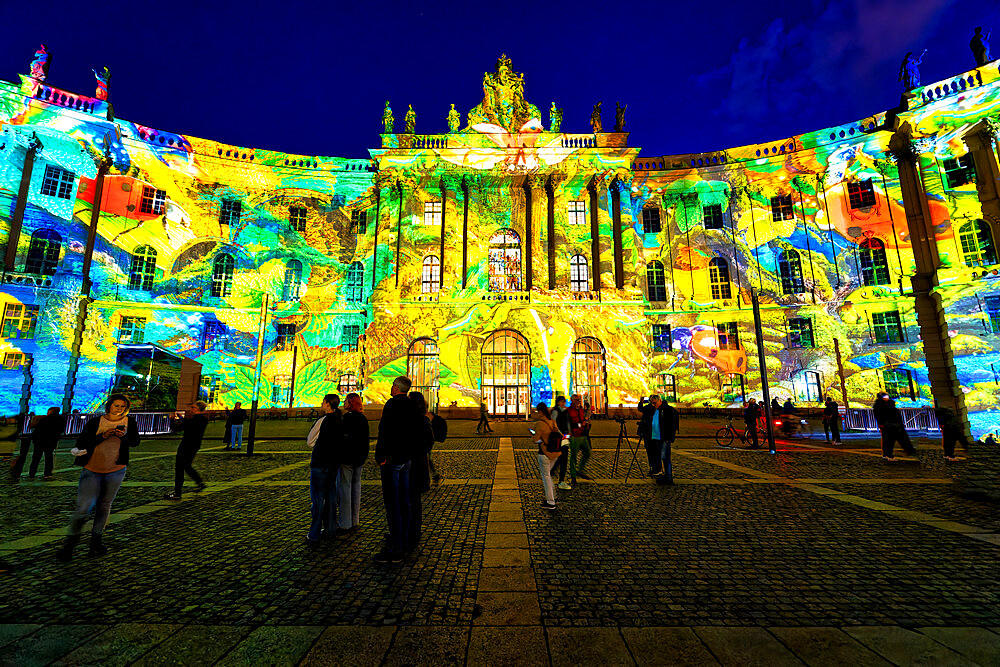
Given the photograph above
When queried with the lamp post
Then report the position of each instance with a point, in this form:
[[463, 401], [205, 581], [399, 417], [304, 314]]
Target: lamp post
[[258, 368], [765, 390]]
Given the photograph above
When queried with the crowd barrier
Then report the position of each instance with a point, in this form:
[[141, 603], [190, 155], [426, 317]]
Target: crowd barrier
[[149, 423]]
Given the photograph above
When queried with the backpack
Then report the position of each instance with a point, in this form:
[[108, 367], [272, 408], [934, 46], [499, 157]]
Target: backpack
[[440, 427], [555, 442]]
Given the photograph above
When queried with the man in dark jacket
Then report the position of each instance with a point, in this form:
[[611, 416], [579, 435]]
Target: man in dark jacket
[[890, 424], [325, 439], [831, 421], [45, 436], [662, 424], [234, 426], [393, 451], [646, 409], [751, 415], [193, 427]]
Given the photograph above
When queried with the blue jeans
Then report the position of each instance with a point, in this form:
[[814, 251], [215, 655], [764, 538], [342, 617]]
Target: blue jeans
[[96, 489], [323, 496], [668, 467], [350, 495], [236, 435], [396, 495]]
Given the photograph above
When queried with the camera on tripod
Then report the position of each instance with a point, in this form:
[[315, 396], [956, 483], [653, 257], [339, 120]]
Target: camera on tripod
[[620, 420]]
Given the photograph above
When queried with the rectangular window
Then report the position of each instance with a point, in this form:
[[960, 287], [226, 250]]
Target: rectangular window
[[349, 337], [800, 333], [132, 330], [57, 182], [432, 213], [887, 327], [19, 321], [993, 313], [13, 360], [215, 337], [661, 341], [286, 336], [713, 216], [898, 383], [651, 220], [959, 171], [152, 200], [359, 221], [211, 386], [281, 390], [781, 208], [666, 385], [861, 194], [230, 212], [297, 218], [577, 211], [732, 388], [729, 337]]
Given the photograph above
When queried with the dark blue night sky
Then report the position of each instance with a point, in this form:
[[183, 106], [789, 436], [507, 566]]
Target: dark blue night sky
[[311, 78]]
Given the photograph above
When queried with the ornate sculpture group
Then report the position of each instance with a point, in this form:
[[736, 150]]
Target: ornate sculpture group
[[595, 118], [40, 65], [909, 69]]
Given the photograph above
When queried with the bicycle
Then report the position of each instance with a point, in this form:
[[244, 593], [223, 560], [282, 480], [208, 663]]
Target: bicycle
[[725, 435]]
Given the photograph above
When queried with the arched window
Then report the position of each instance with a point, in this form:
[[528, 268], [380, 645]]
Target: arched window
[[505, 261], [292, 286], [143, 268], [873, 262], [43, 252], [355, 282], [790, 270], [423, 367], [589, 373], [579, 276], [506, 373], [656, 281], [347, 383], [976, 240], [222, 275], [430, 277], [718, 276]]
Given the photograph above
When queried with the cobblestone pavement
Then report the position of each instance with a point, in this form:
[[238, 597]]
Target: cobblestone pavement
[[813, 555]]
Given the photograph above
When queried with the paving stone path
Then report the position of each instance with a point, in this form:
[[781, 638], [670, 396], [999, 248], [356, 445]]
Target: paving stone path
[[815, 555]]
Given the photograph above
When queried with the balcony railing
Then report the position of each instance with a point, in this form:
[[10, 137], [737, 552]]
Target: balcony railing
[[26, 279], [578, 141], [69, 100]]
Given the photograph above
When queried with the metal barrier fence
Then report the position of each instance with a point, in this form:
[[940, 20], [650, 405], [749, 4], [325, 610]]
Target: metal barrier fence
[[149, 423], [914, 419]]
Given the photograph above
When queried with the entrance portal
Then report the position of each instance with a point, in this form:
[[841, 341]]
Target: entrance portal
[[506, 374]]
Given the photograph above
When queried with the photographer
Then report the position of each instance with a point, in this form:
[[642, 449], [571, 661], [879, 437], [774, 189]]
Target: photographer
[[652, 449], [193, 427], [661, 422]]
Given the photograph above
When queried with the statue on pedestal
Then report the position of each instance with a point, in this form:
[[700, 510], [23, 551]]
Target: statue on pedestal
[[454, 119], [620, 117], [103, 79], [503, 102], [387, 120], [980, 46], [411, 121], [555, 118], [40, 65], [909, 71], [595, 119]]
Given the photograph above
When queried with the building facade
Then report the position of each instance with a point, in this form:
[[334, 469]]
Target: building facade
[[506, 261]]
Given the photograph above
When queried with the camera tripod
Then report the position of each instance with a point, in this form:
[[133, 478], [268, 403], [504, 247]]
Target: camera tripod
[[623, 437]]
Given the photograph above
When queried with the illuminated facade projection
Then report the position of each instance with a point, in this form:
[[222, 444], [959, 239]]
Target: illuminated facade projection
[[505, 262]]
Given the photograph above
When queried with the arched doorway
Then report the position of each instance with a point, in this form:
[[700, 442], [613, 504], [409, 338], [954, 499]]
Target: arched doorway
[[423, 367], [506, 374], [589, 376]]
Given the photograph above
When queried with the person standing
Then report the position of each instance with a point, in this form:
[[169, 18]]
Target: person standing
[[103, 450], [951, 433], [234, 426], [484, 420], [324, 440], [560, 416], [647, 409], [193, 427], [890, 425], [831, 421], [420, 480], [392, 453], [549, 441], [24, 430], [45, 437], [352, 457], [579, 424], [662, 425], [751, 415]]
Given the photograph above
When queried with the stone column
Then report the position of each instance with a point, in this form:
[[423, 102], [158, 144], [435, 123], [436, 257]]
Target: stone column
[[980, 140], [616, 230], [551, 186], [14, 233], [595, 237]]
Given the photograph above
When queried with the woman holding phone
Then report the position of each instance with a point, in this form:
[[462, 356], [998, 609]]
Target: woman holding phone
[[102, 449], [546, 434]]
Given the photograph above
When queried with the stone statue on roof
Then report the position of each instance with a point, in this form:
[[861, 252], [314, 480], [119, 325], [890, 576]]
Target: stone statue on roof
[[909, 71], [555, 118], [595, 119], [503, 99], [387, 120], [454, 119], [620, 117], [980, 46], [103, 79], [410, 120], [40, 64]]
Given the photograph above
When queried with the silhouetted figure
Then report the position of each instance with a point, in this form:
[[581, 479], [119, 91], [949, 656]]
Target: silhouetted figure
[[980, 46], [909, 71], [45, 437]]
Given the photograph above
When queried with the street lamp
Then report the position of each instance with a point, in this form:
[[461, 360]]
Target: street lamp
[[765, 390]]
